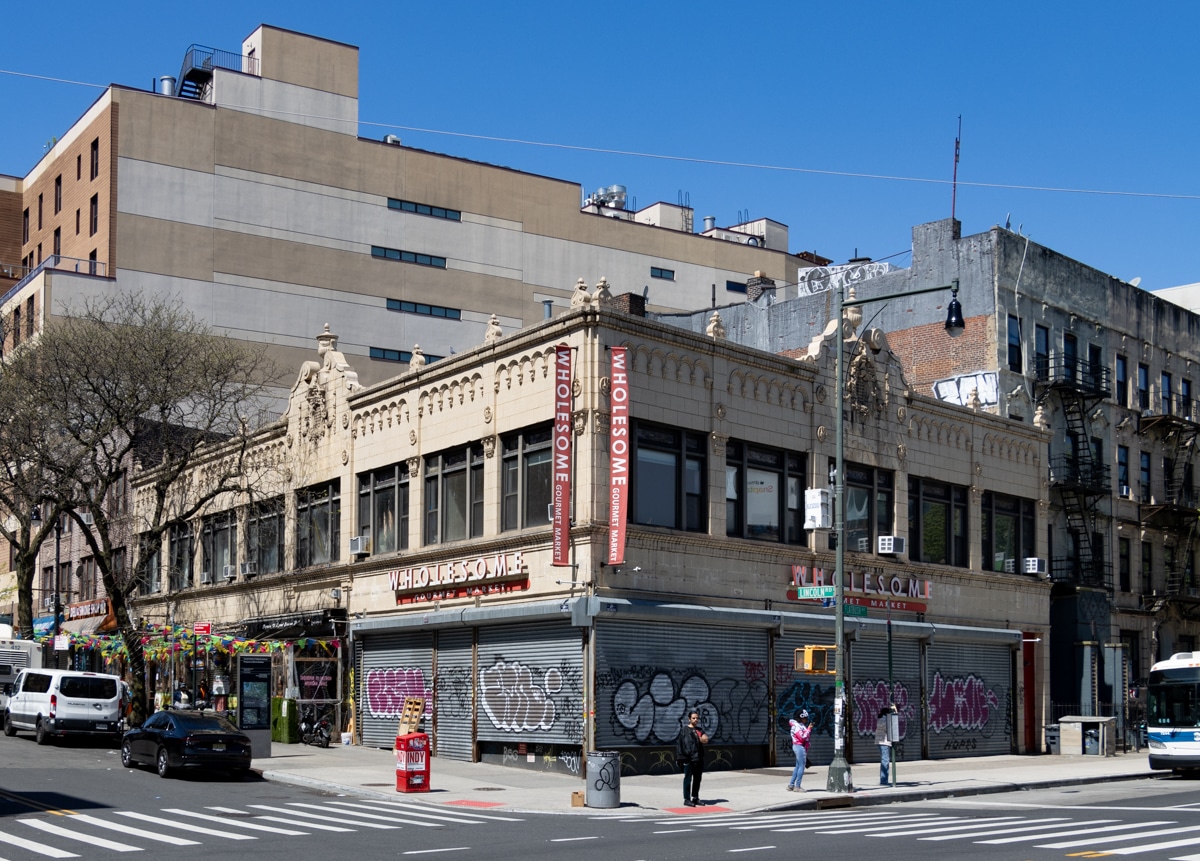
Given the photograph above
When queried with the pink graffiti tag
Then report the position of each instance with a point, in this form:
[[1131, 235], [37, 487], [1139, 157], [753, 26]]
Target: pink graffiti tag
[[964, 703], [388, 688], [754, 671], [870, 697]]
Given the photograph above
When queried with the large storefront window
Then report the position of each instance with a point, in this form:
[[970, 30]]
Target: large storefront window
[[218, 547], [526, 494], [454, 494], [264, 537], [1008, 535], [318, 524], [937, 522], [870, 506], [383, 508], [180, 553], [670, 476], [764, 494]]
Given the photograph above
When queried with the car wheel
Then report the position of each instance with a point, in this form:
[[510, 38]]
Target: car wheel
[[164, 764], [127, 755], [9, 729], [40, 735]]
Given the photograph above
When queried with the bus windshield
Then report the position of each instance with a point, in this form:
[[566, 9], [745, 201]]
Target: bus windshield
[[1173, 705]]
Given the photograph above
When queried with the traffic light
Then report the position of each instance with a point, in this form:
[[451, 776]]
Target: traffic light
[[816, 660]]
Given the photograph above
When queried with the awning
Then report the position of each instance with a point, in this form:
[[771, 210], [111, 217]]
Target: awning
[[86, 625]]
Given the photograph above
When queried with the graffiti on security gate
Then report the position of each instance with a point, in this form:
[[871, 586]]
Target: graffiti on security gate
[[872, 696], [802, 696], [960, 703], [654, 712], [520, 698], [388, 688]]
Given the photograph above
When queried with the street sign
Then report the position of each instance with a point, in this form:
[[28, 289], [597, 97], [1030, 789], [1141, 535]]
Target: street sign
[[853, 610], [813, 592], [202, 627]]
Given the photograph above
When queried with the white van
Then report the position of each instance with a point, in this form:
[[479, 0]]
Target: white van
[[58, 703]]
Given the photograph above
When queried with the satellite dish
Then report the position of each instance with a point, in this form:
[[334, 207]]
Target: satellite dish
[[1135, 281]]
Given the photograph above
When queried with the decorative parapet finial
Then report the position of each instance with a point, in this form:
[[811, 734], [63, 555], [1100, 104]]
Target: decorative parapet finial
[[418, 359], [603, 297], [851, 318], [973, 400], [494, 333], [715, 328], [580, 298]]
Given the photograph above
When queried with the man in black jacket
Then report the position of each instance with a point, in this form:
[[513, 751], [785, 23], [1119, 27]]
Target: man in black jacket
[[689, 751]]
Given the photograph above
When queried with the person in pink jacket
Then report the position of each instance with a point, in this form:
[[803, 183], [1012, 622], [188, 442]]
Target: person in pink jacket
[[801, 732]]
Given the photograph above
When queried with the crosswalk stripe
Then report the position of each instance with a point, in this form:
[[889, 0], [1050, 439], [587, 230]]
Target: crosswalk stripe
[[1170, 844], [280, 819], [489, 816], [59, 831], [929, 828], [319, 817], [821, 827], [32, 846], [135, 832], [1162, 832], [880, 826], [1126, 827], [408, 811], [183, 826], [221, 820], [815, 824], [998, 841], [370, 815]]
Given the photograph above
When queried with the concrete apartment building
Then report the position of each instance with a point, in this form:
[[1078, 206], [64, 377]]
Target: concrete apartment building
[[243, 188], [1109, 369], [417, 513]]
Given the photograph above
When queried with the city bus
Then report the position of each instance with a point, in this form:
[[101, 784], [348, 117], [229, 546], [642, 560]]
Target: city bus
[[1173, 712]]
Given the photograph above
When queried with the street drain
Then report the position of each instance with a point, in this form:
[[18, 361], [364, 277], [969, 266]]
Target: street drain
[[489, 789]]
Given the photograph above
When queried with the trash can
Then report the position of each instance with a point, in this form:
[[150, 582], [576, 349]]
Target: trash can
[[1052, 739], [1091, 742], [412, 762], [603, 788]]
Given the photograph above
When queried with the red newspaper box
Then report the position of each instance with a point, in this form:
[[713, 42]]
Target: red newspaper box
[[412, 762]]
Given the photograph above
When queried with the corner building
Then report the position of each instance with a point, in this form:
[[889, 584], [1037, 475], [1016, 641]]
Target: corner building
[[425, 501]]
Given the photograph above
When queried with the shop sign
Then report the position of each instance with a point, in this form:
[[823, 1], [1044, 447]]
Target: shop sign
[[618, 457], [862, 589], [465, 576], [563, 446], [87, 609]]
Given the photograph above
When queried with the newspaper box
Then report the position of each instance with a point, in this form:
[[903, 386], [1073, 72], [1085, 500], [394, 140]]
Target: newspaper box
[[412, 762]]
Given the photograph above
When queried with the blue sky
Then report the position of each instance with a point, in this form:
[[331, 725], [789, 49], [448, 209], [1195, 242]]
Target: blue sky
[[1096, 95]]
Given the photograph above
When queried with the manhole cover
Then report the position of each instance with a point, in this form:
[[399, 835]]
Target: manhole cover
[[489, 789]]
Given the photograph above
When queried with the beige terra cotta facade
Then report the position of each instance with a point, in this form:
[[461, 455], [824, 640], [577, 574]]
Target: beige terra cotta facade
[[717, 398]]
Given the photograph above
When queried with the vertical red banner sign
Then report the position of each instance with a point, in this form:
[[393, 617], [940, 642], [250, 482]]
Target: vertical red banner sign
[[618, 457], [563, 445]]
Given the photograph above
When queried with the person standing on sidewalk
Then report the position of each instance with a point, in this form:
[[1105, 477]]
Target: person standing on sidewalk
[[885, 745], [801, 734], [689, 751]]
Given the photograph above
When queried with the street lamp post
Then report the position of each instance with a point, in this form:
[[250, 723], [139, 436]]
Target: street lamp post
[[838, 778], [57, 574]]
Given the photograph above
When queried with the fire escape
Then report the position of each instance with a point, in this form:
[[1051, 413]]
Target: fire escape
[[196, 73], [1079, 477], [1174, 511]]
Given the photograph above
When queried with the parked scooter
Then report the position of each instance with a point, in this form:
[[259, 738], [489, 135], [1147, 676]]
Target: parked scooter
[[313, 731]]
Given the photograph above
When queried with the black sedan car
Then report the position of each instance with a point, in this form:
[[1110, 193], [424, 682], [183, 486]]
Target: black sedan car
[[184, 738]]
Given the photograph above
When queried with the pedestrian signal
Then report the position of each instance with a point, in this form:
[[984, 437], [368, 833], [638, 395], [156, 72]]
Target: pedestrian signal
[[816, 660]]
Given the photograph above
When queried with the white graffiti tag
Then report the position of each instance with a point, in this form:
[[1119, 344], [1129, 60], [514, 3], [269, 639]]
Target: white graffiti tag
[[514, 701]]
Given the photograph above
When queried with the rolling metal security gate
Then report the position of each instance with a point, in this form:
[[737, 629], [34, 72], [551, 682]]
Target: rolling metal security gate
[[650, 674], [454, 695], [793, 692], [529, 684], [392, 668], [868, 682], [970, 699]]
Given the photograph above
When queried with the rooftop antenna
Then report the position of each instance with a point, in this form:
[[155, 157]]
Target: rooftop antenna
[[954, 183]]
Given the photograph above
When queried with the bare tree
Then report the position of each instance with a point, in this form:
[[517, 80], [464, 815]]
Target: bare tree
[[136, 383]]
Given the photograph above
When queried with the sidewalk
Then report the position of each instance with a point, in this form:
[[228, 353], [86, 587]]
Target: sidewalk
[[368, 771]]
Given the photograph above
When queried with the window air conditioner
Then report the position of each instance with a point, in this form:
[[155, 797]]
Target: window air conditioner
[[360, 545], [891, 544], [48, 602], [86, 517], [249, 569], [864, 545], [1126, 492], [1034, 565], [1010, 566], [229, 572], [206, 576]]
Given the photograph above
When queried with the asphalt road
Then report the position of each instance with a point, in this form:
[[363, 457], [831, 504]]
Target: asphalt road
[[76, 800]]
